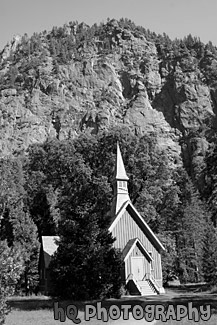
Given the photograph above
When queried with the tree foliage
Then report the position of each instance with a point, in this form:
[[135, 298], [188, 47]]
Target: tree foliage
[[65, 189], [209, 258], [86, 265], [11, 266], [89, 161], [16, 225], [188, 222], [81, 172]]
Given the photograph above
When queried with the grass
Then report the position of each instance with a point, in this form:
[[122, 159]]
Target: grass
[[213, 289], [45, 317], [39, 310], [42, 317], [201, 296], [185, 321]]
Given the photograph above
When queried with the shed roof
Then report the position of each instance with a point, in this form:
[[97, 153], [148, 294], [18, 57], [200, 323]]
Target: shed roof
[[49, 247], [49, 244]]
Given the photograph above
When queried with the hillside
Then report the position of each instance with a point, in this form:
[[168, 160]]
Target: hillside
[[76, 77]]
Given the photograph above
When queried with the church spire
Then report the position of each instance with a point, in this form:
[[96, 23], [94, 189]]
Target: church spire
[[121, 194], [120, 172]]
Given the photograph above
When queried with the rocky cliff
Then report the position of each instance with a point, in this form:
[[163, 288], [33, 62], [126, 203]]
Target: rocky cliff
[[60, 83]]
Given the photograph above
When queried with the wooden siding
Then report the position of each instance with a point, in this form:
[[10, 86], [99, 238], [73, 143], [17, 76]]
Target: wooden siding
[[127, 229]]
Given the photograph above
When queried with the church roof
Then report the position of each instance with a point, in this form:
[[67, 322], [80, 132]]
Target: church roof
[[130, 246], [128, 206], [120, 172]]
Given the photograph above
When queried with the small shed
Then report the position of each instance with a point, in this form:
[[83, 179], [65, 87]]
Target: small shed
[[48, 248]]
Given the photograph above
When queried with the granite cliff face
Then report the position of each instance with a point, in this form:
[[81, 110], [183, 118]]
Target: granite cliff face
[[77, 77]]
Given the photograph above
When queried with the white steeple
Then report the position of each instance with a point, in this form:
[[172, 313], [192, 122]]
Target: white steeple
[[120, 172], [121, 194]]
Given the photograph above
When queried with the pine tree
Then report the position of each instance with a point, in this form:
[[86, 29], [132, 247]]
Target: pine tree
[[209, 259], [191, 239], [185, 219], [86, 265], [16, 225], [25, 235]]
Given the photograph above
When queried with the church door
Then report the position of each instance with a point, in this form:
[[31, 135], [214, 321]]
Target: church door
[[137, 267]]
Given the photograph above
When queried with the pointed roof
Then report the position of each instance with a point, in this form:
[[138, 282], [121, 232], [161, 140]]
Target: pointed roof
[[128, 206], [120, 172], [130, 246], [49, 244]]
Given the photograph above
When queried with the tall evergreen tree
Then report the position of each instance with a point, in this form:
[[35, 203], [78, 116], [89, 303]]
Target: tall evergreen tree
[[16, 225], [86, 265], [185, 218], [209, 258]]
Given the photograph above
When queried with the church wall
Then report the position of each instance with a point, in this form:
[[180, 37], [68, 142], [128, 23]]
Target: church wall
[[127, 229]]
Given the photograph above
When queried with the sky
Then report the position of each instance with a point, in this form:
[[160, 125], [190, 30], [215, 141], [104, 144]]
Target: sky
[[177, 18]]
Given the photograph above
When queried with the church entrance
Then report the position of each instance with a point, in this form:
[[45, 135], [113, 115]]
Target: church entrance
[[137, 267]]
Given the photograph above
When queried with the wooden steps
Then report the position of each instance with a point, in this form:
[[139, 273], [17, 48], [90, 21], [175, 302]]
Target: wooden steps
[[147, 288]]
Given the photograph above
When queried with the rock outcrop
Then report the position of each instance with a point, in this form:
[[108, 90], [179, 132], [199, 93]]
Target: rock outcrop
[[115, 75]]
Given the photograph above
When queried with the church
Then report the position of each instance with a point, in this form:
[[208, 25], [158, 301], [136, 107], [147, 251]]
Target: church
[[141, 249]]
